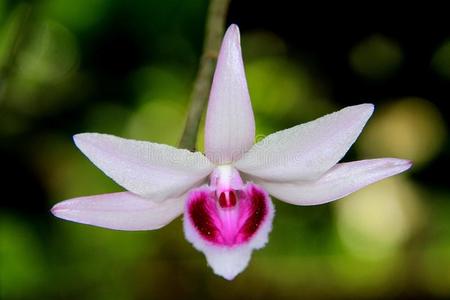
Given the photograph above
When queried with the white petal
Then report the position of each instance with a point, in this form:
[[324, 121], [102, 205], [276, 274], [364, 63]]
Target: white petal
[[150, 170], [230, 125], [308, 150], [341, 180], [120, 211]]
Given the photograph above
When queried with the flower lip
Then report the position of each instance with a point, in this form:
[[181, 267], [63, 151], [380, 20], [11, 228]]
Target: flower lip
[[229, 259], [228, 222]]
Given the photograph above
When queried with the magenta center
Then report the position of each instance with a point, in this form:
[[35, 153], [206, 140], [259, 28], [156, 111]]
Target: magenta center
[[231, 218]]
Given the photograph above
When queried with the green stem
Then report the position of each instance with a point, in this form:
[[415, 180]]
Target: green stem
[[215, 25]]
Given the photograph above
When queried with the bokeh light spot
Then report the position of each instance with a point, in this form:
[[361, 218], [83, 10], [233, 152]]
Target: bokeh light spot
[[281, 89], [410, 128], [159, 121], [435, 252], [107, 117], [65, 171], [78, 15], [376, 221], [252, 41], [9, 27], [162, 94], [441, 60], [377, 57], [44, 71], [51, 55], [436, 272]]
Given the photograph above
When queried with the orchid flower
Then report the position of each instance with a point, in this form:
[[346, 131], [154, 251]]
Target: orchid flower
[[224, 194]]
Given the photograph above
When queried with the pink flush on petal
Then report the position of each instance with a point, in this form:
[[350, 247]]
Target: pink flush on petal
[[232, 218]]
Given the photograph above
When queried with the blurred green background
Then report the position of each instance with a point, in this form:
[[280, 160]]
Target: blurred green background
[[127, 68]]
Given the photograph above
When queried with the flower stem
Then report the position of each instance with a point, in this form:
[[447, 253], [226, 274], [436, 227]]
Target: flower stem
[[215, 24]]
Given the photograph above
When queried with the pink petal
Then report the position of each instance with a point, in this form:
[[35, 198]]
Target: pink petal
[[120, 211], [338, 182], [230, 125], [228, 235], [308, 150], [150, 170]]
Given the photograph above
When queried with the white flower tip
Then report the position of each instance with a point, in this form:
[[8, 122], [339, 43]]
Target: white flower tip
[[232, 33], [59, 210], [231, 44], [82, 138], [405, 163], [78, 136], [369, 106], [366, 109], [54, 210], [228, 263], [409, 163]]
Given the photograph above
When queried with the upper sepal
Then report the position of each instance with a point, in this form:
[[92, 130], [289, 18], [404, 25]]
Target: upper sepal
[[230, 124]]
